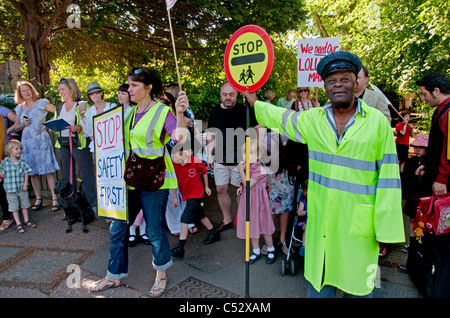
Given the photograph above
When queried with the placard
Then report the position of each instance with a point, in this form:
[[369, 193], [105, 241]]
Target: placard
[[310, 52], [110, 164]]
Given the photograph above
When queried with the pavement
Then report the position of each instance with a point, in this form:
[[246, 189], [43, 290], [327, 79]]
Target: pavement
[[45, 262]]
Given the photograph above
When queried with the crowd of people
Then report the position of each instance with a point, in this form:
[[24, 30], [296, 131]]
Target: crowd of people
[[299, 153]]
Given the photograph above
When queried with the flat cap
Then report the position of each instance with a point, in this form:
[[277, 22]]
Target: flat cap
[[339, 61]]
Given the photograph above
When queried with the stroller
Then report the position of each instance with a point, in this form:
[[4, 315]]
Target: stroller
[[295, 243]]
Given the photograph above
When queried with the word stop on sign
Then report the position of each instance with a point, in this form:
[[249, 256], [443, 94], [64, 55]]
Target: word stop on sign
[[108, 132]]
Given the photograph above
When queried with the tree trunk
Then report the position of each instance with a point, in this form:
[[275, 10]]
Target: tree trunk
[[36, 52]]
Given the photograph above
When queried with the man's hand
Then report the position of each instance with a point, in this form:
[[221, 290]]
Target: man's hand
[[251, 98]]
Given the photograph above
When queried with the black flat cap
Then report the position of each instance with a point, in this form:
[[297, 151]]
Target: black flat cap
[[339, 61]]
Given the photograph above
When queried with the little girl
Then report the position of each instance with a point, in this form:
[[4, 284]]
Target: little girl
[[15, 173], [261, 222], [301, 212]]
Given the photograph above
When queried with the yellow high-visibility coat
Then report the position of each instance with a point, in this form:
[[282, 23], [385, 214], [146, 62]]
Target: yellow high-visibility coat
[[354, 192]]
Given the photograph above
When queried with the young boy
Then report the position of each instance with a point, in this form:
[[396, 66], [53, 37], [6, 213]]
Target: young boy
[[404, 131], [414, 184], [188, 169], [15, 173]]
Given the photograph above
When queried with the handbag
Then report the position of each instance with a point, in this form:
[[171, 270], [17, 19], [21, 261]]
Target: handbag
[[434, 213], [144, 174], [64, 141]]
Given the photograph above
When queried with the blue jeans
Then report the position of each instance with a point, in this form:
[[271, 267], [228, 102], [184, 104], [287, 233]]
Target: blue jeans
[[153, 204], [329, 292], [154, 207], [118, 250]]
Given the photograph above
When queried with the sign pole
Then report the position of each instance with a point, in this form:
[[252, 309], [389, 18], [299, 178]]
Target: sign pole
[[174, 51], [248, 63], [247, 199]]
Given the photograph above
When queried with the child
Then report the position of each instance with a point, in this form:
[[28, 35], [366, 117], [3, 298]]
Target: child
[[15, 173], [261, 222], [281, 186], [301, 212], [414, 184], [188, 170], [404, 131], [139, 225]]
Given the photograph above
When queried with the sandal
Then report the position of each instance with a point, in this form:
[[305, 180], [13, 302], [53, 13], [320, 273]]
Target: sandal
[[19, 228], [156, 290], [284, 248], [105, 283], [30, 224], [37, 206], [5, 224], [56, 206]]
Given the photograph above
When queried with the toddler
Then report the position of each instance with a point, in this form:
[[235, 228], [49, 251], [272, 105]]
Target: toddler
[[414, 184], [15, 171], [261, 222], [301, 212], [188, 170]]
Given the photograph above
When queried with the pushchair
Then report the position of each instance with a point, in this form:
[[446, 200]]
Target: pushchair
[[295, 242]]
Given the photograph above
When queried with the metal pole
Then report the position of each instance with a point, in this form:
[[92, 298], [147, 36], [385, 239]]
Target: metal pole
[[247, 197]]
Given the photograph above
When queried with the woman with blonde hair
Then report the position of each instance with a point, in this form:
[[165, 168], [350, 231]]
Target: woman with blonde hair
[[72, 109], [38, 151], [304, 100]]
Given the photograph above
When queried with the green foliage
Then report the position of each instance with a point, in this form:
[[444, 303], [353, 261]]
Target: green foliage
[[117, 35], [398, 41]]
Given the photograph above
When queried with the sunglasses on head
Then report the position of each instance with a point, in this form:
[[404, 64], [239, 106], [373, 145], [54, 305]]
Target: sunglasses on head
[[138, 71], [62, 80]]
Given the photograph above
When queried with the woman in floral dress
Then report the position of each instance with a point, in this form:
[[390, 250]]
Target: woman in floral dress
[[38, 151]]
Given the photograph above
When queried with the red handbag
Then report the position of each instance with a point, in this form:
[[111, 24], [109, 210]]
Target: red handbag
[[434, 212]]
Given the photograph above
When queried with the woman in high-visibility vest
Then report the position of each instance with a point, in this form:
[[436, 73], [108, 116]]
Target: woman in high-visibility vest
[[147, 128]]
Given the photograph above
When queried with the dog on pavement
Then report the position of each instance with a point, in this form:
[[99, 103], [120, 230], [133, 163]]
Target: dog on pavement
[[76, 207]]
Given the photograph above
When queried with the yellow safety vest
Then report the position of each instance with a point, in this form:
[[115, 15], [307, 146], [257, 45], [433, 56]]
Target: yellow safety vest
[[354, 192], [145, 139]]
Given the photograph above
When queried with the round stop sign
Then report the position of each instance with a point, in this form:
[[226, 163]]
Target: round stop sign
[[248, 59]]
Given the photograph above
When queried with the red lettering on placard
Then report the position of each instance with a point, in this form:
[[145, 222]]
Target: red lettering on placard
[[314, 77], [108, 132], [309, 64]]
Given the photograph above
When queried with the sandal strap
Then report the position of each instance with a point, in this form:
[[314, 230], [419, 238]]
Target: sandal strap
[[156, 285]]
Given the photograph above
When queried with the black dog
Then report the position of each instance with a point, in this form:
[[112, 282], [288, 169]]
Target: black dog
[[76, 207]]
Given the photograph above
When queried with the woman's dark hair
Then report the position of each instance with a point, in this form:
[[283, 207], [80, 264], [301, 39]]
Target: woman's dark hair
[[146, 76], [124, 88], [433, 80]]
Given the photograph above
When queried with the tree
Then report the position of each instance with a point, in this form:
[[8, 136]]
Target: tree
[[399, 41], [127, 32]]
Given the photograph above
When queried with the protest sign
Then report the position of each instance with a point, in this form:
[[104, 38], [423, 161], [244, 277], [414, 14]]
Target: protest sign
[[110, 164], [310, 52]]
